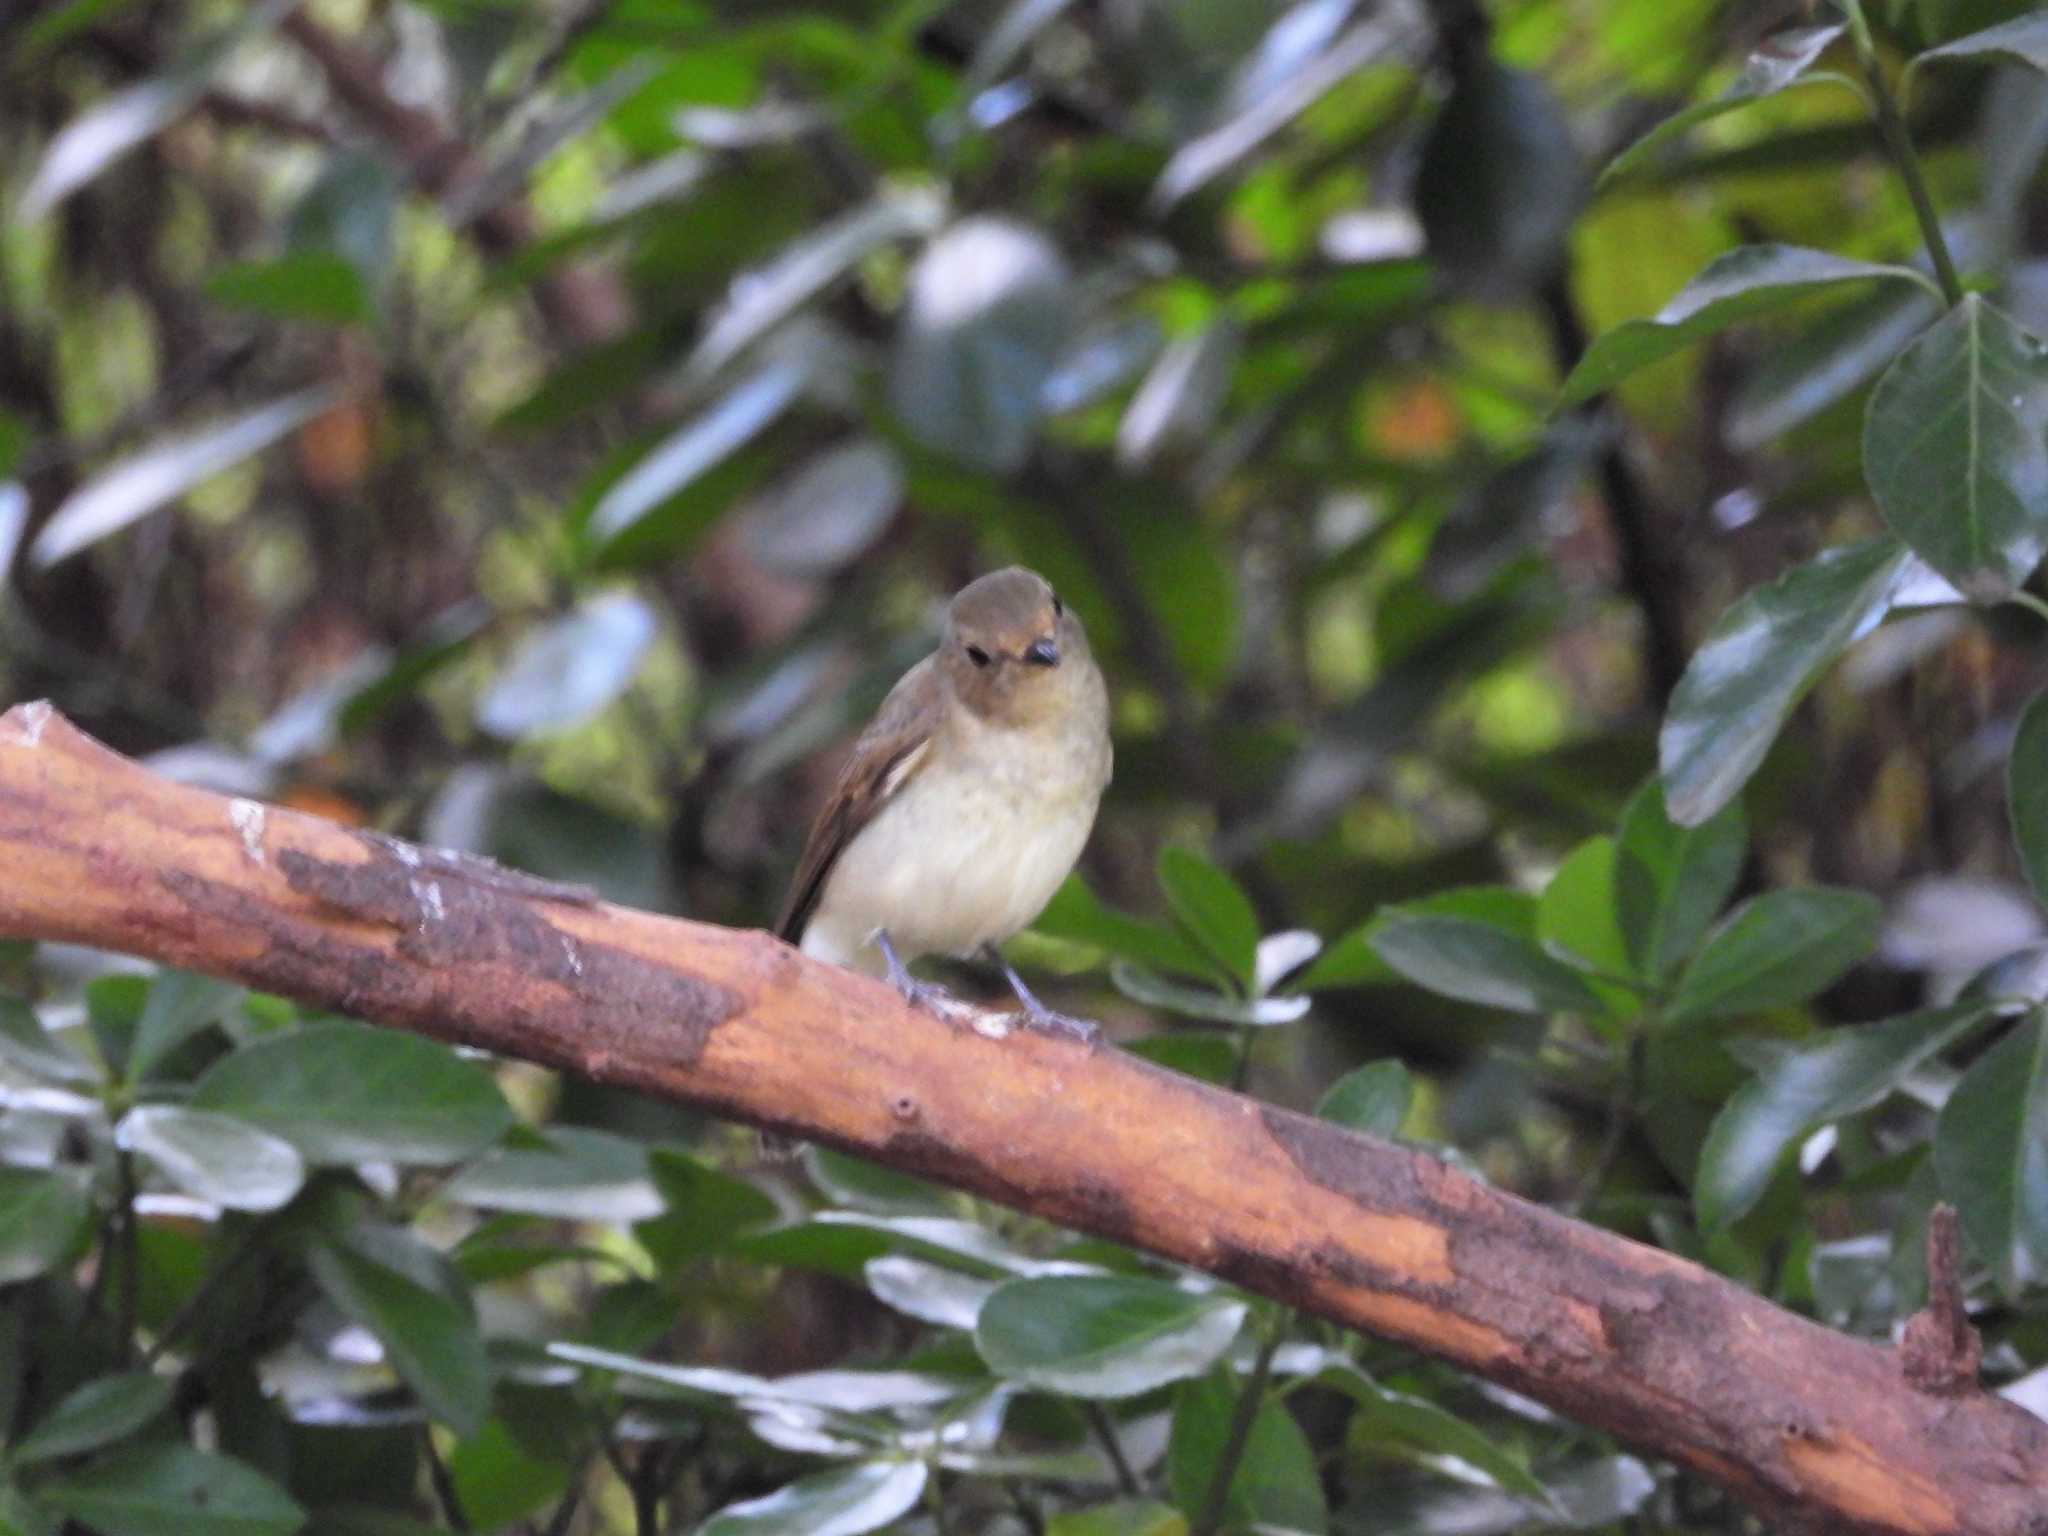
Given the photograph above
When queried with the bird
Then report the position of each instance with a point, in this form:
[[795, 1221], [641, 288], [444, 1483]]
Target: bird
[[966, 801]]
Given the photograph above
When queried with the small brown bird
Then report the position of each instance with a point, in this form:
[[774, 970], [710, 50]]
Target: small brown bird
[[967, 800]]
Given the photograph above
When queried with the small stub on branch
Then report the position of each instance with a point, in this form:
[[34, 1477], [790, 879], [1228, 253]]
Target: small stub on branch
[[1940, 1352]]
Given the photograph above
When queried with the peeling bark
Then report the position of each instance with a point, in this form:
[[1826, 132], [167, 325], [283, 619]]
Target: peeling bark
[[1808, 1425]]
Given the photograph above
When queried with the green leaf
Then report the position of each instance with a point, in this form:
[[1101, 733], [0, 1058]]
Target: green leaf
[[844, 1502], [180, 1005], [1214, 909], [1777, 949], [1154, 991], [1764, 655], [1991, 1154], [1102, 1336], [574, 1174], [1420, 1423], [1671, 880], [416, 1305], [302, 285], [928, 1292], [1373, 1099], [1748, 281], [1955, 445], [1845, 1072], [1352, 962], [1076, 914], [2027, 792], [26, 1045], [498, 1479], [214, 1157], [173, 1490], [96, 1414], [345, 1093], [1778, 62], [1275, 1484], [1577, 917], [2024, 40], [43, 1216], [1124, 1517], [706, 1209], [1479, 962]]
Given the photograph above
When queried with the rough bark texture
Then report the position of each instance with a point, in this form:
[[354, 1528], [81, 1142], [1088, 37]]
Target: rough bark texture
[[1813, 1427]]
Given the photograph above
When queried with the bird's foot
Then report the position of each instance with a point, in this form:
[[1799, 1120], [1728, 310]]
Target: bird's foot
[[1046, 1020], [930, 996]]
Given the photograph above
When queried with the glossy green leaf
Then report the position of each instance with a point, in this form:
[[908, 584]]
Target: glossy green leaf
[[2027, 792], [1213, 908], [844, 1502], [1351, 960], [1076, 914], [1671, 880], [99, 1413], [575, 1174], [1749, 281], [214, 1157], [43, 1217], [301, 285], [1418, 1422], [1478, 962], [346, 1093], [1102, 1336], [1844, 1072], [180, 1005], [1779, 61], [414, 1302], [1373, 1098], [1955, 445], [1777, 949], [1763, 656], [929, 1292], [1991, 1155], [2023, 40], [174, 1490], [1276, 1483]]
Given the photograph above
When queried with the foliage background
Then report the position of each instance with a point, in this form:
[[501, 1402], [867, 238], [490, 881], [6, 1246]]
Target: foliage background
[[546, 427]]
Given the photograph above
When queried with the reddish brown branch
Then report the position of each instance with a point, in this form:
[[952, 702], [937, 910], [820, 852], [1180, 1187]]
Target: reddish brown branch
[[1804, 1423]]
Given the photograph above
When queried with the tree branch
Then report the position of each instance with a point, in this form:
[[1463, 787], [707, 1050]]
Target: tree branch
[[1798, 1420]]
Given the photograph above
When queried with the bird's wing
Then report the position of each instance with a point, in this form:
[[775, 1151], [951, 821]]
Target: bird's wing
[[891, 750]]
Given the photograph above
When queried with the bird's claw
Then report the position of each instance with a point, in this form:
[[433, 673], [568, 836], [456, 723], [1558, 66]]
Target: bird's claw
[[1048, 1022]]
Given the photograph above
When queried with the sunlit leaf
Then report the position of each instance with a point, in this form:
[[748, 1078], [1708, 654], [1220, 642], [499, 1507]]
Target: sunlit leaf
[[576, 1174], [1955, 445], [1479, 962], [138, 485]]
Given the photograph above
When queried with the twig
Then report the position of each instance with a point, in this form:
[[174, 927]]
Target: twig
[[1898, 145], [443, 1484], [1105, 1431], [1249, 1401]]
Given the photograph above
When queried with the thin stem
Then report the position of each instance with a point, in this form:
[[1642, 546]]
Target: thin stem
[[1242, 1072], [647, 1484], [1249, 1401], [1105, 1431], [131, 1250], [1891, 131], [2028, 601], [444, 1485]]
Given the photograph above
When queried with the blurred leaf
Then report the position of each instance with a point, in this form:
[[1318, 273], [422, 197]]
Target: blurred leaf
[[1205, 1054], [141, 483], [1125, 1517], [1844, 1072], [1102, 1336], [2023, 40], [843, 1502], [1748, 281], [1955, 444], [1778, 62], [988, 314], [1671, 880], [499, 1479], [1213, 908], [173, 1490], [28, 1047], [1075, 914], [1352, 960], [43, 1217], [1774, 950], [575, 1175], [350, 210], [99, 1413], [569, 668], [1763, 656], [1477, 961], [2027, 792], [1419, 1422], [180, 1005], [706, 1209], [1808, 371], [1194, 1002], [100, 135], [302, 285], [443, 639], [381, 1279], [1373, 1098], [1180, 398], [214, 1157], [928, 1292], [1500, 181], [1991, 1154], [768, 295], [1275, 1485], [854, 1181], [828, 513], [345, 1093]]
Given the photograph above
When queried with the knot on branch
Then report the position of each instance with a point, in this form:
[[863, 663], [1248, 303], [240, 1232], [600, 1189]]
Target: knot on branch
[[1939, 1351]]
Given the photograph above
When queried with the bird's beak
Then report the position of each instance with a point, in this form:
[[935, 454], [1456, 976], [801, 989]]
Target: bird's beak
[[1043, 653]]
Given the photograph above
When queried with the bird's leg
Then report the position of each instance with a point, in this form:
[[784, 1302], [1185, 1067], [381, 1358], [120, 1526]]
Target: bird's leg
[[922, 994], [1036, 1013]]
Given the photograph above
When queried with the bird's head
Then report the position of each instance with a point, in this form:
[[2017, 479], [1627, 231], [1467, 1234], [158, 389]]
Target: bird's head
[[1012, 650]]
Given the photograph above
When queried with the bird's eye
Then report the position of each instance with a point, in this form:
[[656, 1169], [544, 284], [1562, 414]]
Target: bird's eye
[[977, 655]]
